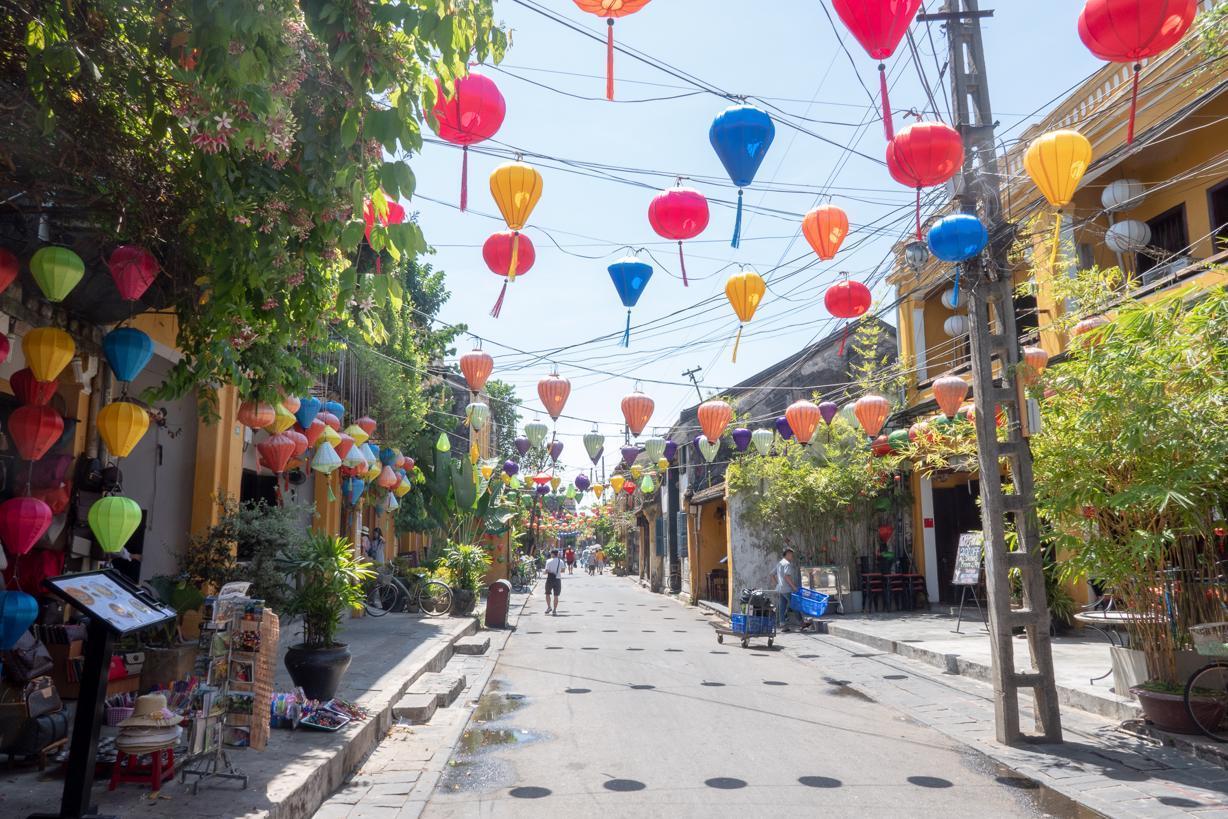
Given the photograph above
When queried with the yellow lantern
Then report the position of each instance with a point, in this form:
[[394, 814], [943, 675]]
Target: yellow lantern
[[636, 471], [554, 483], [616, 483], [373, 472], [744, 290], [473, 453], [283, 419], [516, 187], [48, 351], [330, 436], [598, 490], [663, 464], [359, 434], [487, 471], [402, 488], [122, 424], [1056, 161]]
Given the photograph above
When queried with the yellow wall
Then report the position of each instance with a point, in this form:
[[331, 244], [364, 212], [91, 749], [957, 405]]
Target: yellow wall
[[219, 461]]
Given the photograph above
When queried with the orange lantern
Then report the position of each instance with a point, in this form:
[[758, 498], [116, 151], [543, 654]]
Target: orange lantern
[[256, 414], [553, 391], [609, 9], [803, 417], [949, 392], [744, 290], [714, 416], [476, 366], [637, 411], [516, 187], [825, 228], [871, 412], [1035, 359]]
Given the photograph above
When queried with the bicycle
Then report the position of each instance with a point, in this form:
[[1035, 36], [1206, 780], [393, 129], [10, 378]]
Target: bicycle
[[1206, 690], [429, 596], [523, 574], [387, 593]]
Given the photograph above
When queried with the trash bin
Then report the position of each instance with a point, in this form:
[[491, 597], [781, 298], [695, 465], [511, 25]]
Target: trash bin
[[498, 598]]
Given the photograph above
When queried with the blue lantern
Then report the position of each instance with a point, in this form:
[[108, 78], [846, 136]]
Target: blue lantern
[[128, 350], [741, 136], [957, 237], [387, 456], [17, 613], [630, 277], [337, 409], [308, 409], [373, 455]]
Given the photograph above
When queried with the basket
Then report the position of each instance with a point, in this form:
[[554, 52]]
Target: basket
[[1210, 639], [117, 714], [809, 602], [752, 624]]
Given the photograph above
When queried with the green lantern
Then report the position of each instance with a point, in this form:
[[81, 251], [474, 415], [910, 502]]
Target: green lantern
[[113, 521], [898, 440], [57, 270], [648, 485], [442, 444]]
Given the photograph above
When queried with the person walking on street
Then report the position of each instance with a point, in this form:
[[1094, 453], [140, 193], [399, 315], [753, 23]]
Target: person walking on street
[[570, 556], [785, 585], [554, 580], [600, 560]]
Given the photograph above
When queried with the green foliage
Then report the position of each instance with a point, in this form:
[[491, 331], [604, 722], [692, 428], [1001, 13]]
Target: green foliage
[[604, 529], [615, 554], [504, 417], [871, 363], [1210, 35], [328, 577], [467, 565]]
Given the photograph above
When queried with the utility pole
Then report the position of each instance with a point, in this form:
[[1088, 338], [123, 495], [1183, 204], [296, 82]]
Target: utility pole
[[691, 373], [994, 337]]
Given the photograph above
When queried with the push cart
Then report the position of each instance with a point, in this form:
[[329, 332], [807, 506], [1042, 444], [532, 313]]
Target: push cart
[[757, 619]]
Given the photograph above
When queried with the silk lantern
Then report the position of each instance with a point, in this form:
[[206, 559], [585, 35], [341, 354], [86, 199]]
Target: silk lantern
[[516, 187], [10, 266], [48, 351], [1118, 196], [828, 410], [610, 9], [648, 485], [367, 424], [255, 414], [308, 409], [803, 418], [473, 114], [630, 277], [536, 431], [762, 440], [127, 350], [654, 448], [741, 136], [291, 403], [598, 490], [957, 237], [949, 393], [871, 412], [922, 155], [326, 461], [847, 299], [679, 214], [744, 291], [122, 424], [337, 409], [343, 446], [783, 429], [956, 325], [356, 432], [477, 414], [276, 450], [508, 254], [1035, 360], [671, 450], [629, 453], [1056, 161], [825, 228], [391, 213], [522, 445], [510, 468], [300, 442], [114, 520], [553, 391], [1128, 236], [57, 270], [35, 429], [637, 411], [330, 435], [555, 449], [23, 521], [283, 419], [133, 269], [1129, 31], [708, 448], [29, 390], [582, 482], [387, 479], [476, 366], [741, 438], [878, 25], [18, 611], [616, 483], [403, 488], [714, 417], [594, 443], [6, 346], [331, 421]]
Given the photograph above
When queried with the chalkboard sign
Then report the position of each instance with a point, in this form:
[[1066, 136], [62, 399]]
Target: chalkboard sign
[[968, 558]]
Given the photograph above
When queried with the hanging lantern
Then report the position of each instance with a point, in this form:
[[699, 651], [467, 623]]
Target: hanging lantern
[[30, 390], [630, 277], [741, 438], [1130, 31], [1035, 360], [122, 424], [916, 255], [353, 457], [616, 483], [403, 488], [671, 450], [337, 409], [300, 442], [476, 366], [128, 350], [343, 446], [654, 448], [508, 254], [881, 446], [276, 452], [292, 404], [678, 214], [510, 468], [741, 136], [516, 187], [10, 266], [1128, 236], [57, 270], [387, 479], [367, 424], [476, 415], [393, 214], [331, 436], [922, 155], [553, 391], [762, 440], [326, 461], [714, 417], [956, 326], [648, 485], [48, 351], [636, 471], [594, 443], [803, 419], [871, 412], [951, 299], [283, 419], [1056, 161], [825, 228], [133, 269], [629, 487], [555, 450], [522, 445], [555, 480], [885, 532], [473, 114], [744, 291], [308, 409], [255, 414], [5, 346], [359, 434], [599, 490], [637, 411], [847, 299], [708, 448], [957, 237], [391, 504], [898, 440], [949, 392], [1118, 196], [536, 431], [330, 420], [1087, 325], [662, 464], [783, 429], [23, 522], [629, 453], [388, 456], [582, 482], [35, 429], [878, 25], [114, 520], [828, 410], [18, 611]]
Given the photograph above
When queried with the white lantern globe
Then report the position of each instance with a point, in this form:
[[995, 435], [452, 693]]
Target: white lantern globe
[[1122, 195], [1128, 236], [952, 299], [956, 325]]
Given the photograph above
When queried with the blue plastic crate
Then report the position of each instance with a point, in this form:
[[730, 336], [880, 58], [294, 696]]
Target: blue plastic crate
[[751, 624], [809, 602]]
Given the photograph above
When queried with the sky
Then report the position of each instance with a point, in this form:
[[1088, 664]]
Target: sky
[[565, 312]]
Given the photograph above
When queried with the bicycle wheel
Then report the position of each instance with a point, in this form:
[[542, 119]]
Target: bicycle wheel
[[381, 598], [1206, 700], [434, 598]]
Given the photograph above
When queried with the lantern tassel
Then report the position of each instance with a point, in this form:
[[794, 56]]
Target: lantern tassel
[[499, 302], [955, 286], [609, 59], [737, 223], [919, 214], [626, 342], [737, 341], [511, 268], [1133, 105], [888, 128], [843, 339], [332, 498], [682, 264], [464, 203], [1057, 240]]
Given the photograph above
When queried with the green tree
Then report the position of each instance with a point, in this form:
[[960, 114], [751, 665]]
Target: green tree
[[505, 418]]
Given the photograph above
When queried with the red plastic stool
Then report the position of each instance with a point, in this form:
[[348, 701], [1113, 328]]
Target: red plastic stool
[[128, 769]]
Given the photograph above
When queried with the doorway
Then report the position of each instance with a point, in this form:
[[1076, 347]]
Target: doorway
[[955, 512]]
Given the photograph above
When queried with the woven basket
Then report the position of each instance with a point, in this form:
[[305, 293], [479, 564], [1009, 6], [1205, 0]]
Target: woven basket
[[117, 714]]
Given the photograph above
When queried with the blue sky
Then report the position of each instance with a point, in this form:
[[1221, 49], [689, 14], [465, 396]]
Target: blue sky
[[784, 51]]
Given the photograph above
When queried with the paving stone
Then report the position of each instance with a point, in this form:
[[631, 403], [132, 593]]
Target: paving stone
[[416, 707], [333, 810], [445, 685], [472, 645]]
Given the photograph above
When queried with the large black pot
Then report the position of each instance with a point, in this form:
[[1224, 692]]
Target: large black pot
[[318, 670], [463, 601]]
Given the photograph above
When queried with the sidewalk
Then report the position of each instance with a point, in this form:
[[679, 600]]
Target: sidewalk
[[299, 769]]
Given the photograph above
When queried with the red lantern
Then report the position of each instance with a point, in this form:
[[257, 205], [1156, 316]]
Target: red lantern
[[476, 366], [22, 522], [300, 442], [35, 429], [313, 432], [276, 450], [1129, 31], [610, 9], [367, 424], [949, 392], [923, 155], [847, 299], [344, 446], [10, 265], [553, 390], [881, 446], [395, 215], [409, 463], [29, 390], [878, 25], [637, 411], [133, 269], [629, 487], [885, 532], [498, 252], [331, 420], [679, 214], [803, 417], [473, 114]]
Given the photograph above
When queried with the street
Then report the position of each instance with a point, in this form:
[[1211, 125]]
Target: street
[[625, 705]]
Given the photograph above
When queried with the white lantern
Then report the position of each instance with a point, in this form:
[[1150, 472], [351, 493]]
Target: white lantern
[[654, 448], [536, 431], [477, 414], [762, 439], [1123, 195], [916, 256], [956, 325], [708, 448], [951, 299], [1128, 236]]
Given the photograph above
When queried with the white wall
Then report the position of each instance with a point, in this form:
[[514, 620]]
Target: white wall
[[754, 557]]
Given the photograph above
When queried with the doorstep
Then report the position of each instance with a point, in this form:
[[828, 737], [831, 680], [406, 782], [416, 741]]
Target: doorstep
[[714, 607]]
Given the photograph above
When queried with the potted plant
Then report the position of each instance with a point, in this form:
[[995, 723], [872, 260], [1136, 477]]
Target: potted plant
[[467, 566], [616, 556], [327, 578]]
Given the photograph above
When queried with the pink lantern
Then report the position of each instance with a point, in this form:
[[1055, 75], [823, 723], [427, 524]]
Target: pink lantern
[[22, 522], [134, 269], [679, 214], [473, 114]]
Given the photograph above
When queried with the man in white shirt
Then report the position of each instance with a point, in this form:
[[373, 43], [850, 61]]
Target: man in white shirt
[[785, 586], [554, 580]]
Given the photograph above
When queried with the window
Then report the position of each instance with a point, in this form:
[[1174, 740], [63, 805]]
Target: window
[[1169, 237], [1218, 206]]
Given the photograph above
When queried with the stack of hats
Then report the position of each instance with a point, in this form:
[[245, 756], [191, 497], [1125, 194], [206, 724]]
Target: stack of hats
[[152, 727]]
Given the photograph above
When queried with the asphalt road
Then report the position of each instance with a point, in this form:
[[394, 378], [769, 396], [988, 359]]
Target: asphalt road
[[625, 705]]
